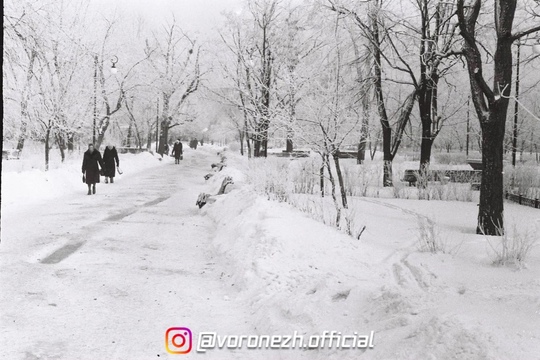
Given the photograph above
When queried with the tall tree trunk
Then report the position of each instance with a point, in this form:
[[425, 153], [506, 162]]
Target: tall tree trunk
[[381, 107], [425, 158], [248, 144], [361, 154], [104, 125], [164, 124], [292, 117], [264, 143], [425, 108], [47, 149], [289, 143], [321, 176], [490, 215], [70, 142], [428, 108], [129, 134], [363, 94], [24, 100], [387, 173], [387, 158], [333, 189], [340, 181], [241, 138], [61, 145], [257, 145], [491, 104], [149, 136], [164, 136], [373, 146]]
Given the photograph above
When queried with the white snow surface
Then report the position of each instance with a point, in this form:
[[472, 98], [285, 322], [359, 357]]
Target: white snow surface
[[24, 182], [103, 276], [298, 274]]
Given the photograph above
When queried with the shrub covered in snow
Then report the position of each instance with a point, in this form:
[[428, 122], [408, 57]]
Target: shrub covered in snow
[[512, 248]]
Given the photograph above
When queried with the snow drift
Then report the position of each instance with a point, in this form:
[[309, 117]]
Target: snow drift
[[297, 274]]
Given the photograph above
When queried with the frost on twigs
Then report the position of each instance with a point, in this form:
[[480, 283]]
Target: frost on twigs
[[429, 237], [351, 225], [512, 248]]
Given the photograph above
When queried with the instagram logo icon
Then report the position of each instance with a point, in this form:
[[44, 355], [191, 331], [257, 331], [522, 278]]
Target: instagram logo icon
[[178, 340]]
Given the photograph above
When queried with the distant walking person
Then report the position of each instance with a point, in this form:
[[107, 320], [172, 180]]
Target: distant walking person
[[91, 166], [177, 151], [110, 163]]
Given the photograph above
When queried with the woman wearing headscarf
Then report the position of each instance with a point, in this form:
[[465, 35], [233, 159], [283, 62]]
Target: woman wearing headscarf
[[91, 167], [110, 162]]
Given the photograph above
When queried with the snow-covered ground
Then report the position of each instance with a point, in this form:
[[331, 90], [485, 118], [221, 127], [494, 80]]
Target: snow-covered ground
[[24, 182], [298, 274], [103, 277]]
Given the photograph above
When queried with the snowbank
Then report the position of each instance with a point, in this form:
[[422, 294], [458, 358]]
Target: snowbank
[[24, 183], [297, 274]]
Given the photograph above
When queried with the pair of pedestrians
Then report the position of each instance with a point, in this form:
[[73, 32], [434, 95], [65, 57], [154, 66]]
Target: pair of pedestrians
[[94, 166]]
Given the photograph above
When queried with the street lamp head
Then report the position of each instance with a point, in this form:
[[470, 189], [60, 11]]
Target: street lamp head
[[114, 60]]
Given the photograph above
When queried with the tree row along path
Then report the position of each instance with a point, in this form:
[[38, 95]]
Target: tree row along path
[[104, 276]]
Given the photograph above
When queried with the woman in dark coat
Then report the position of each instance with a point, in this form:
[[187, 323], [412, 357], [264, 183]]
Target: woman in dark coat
[[177, 151], [91, 166], [110, 157]]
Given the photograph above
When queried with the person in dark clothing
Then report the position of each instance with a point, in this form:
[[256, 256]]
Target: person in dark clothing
[[177, 151], [110, 162], [91, 167]]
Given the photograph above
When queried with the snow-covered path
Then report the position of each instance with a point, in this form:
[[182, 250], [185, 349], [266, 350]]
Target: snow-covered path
[[104, 276]]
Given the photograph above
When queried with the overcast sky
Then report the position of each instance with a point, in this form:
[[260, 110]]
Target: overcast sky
[[202, 16]]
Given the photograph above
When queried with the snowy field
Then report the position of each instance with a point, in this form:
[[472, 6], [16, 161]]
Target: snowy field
[[103, 277], [299, 274]]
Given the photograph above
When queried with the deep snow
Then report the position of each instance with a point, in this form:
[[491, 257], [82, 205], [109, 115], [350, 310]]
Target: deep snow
[[103, 277], [297, 274]]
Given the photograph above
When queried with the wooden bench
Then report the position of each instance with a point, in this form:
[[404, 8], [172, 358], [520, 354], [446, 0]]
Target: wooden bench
[[291, 154], [455, 176], [11, 154], [410, 177], [347, 154], [476, 164]]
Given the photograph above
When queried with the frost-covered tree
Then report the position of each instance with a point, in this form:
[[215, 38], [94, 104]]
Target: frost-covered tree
[[174, 59], [491, 102]]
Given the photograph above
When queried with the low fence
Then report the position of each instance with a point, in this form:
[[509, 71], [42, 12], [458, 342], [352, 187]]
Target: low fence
[[455, 176], [291, 154], [522, 200]]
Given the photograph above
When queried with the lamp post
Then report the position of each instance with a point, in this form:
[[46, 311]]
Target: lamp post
[[95, 99], [468, 128], [516, 108], [114, 61], [114, 70], [157, 124]]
